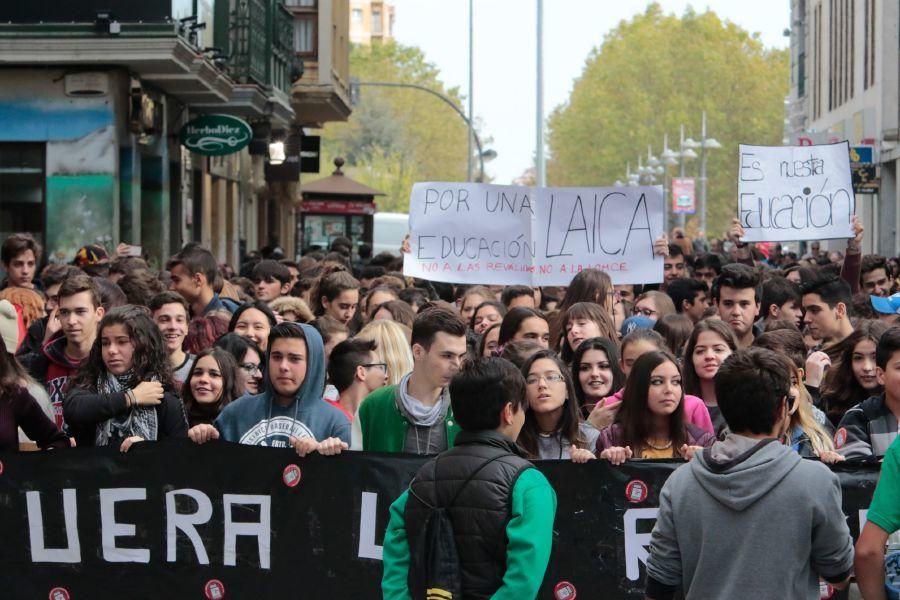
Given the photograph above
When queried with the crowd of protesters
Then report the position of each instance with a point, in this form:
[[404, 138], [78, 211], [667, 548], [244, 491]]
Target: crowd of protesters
[[330, 353]]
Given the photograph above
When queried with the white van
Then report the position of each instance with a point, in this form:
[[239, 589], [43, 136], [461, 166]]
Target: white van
[[388, 232]]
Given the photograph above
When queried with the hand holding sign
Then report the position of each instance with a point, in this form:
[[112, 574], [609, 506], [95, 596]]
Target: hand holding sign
[[795, 193]]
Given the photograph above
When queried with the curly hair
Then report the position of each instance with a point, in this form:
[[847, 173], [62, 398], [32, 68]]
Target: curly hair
[[203, 332], [31, 302], [150, 359]]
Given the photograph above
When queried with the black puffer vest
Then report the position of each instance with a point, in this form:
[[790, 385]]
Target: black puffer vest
[[480, 512]]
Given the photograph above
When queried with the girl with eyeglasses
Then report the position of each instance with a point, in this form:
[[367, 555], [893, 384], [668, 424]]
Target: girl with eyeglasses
[[653, 305], [247, 356], [650, 423], [553, 427], [212, 383]]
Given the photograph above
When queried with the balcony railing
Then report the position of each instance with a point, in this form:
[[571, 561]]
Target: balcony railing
[[260, 43]]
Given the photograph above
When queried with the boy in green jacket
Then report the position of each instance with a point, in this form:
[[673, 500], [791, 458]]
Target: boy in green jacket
[[415, 415], [502, 507]]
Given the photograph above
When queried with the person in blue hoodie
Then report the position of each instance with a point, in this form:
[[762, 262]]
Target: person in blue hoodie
[[290, 412]]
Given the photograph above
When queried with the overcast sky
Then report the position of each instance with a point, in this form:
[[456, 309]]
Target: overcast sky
[[505, 54]]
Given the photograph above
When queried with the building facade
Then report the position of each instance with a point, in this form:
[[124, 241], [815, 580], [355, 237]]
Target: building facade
[[371, 21], [844, 86], [93, 96]]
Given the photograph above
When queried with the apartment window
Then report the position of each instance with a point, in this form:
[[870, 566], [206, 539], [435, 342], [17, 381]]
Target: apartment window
[[22, 190], [377, 28], [305, 35], [357, 15]]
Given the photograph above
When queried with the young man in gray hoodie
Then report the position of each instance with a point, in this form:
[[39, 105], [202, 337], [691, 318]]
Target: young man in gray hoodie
[[748, 518]]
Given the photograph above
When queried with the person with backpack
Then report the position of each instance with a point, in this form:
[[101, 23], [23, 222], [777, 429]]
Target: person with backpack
[[477, 520]]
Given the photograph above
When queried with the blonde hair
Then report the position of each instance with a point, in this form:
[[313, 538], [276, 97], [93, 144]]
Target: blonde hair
[[804, 417], [393, 341]]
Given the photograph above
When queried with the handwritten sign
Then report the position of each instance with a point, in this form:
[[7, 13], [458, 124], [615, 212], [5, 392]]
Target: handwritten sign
[[498, 234], [795, 193]]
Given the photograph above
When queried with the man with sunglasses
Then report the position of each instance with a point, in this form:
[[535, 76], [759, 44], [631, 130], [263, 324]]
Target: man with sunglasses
[[354, 369]]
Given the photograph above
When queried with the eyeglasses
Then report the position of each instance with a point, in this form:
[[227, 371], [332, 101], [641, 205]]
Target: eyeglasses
[[250, 368], [381, 365], [549, 378], [643, 311]]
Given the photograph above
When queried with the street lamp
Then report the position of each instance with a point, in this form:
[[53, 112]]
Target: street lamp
[[705, 144], [686, 153]]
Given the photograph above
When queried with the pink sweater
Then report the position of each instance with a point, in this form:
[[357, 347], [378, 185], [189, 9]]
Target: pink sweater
[[694, 410]]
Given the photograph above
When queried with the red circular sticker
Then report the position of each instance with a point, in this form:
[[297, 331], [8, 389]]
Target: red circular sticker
[[291, 475], [825, 590], [840, 437], [59, 593], [564, 591], [636, 491], [214, 590], [1, 467]]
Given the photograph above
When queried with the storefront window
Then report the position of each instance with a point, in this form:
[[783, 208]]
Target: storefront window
[[22, 190]]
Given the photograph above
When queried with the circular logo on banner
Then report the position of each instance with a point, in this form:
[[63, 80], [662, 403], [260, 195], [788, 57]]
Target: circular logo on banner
[[840, 437], [59, 593], [825, 590], [214, 590], [1, 467], [564, 591], [291, 475], [636, 491]]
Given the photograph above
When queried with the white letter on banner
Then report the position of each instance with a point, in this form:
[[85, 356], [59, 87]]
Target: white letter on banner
[[39, 553], [367, 513], [636, 543], [186, 522], [110, 530], [261, 530]]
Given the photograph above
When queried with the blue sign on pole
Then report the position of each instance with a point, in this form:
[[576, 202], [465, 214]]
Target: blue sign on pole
[[862, 155]]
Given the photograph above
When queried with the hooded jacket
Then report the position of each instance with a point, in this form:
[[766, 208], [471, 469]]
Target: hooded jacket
[[749, 519], [51, 367], [259, 420]]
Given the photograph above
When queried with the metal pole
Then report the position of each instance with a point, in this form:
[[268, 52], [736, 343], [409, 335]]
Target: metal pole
[[443, 99], [539, 109], [703, 175], [681, 174], [471, 91]]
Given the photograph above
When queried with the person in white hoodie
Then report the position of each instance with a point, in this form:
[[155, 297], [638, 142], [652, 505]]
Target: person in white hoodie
[[748, 518]]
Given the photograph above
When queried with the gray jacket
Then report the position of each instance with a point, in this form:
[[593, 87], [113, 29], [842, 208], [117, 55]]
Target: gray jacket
[[749, 519]]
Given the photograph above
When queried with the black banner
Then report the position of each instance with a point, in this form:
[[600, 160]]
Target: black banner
[[227, 521]]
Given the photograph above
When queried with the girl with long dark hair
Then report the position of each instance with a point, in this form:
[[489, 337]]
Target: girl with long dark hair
[[486, 314], [852, 379], [582, 321], [650, 422], [595, 368], [711, 342], [254, 321], [212, 383], [553, 426], [124, 392]]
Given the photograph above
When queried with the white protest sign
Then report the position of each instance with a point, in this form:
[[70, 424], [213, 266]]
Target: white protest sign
[[790, 193], [505, 235]]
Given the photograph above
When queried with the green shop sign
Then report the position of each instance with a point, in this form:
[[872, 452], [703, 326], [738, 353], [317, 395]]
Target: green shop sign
[[215, 135]]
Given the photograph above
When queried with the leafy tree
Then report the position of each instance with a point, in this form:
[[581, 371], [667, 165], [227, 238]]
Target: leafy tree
[[656, 72], [396, 137]]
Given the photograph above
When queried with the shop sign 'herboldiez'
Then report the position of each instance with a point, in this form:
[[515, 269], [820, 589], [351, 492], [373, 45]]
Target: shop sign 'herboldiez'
[[215, 135]]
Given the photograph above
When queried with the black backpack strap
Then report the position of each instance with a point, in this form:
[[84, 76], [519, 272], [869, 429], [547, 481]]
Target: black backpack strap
[[461, 487], [472, 475]]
